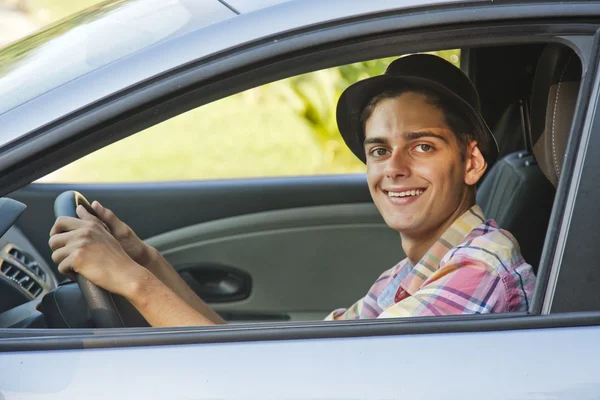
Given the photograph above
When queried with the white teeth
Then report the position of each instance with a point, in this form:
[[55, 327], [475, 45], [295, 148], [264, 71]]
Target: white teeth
[[406, 193]]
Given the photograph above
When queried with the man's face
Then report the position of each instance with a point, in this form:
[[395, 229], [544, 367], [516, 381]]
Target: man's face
[[415, 171]]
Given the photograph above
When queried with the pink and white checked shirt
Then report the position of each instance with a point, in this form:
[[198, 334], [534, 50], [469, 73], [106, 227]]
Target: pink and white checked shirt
[[474, 268]]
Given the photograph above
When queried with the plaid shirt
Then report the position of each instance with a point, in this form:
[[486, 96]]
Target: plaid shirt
[[474, 267]]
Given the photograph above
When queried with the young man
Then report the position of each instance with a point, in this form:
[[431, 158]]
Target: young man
[[418, 129]]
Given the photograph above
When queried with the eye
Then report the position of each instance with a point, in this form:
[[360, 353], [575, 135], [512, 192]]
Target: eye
[[424, 148], [378, 152]]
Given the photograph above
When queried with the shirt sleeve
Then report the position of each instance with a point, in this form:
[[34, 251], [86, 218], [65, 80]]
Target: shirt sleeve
[[367, 307], [344, 314], [463, 287]]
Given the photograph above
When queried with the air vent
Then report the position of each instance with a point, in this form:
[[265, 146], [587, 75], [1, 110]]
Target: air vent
[[28, 262], [24, 279]]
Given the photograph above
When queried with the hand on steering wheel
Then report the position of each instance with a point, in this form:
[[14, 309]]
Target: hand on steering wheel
[[84, 245]]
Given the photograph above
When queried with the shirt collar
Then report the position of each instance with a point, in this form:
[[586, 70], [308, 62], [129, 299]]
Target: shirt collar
[[452, 237]]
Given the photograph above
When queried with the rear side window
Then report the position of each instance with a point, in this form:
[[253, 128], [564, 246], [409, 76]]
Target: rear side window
[[285, 128]]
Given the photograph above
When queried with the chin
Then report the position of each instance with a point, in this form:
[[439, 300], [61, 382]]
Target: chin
[[401, 223]]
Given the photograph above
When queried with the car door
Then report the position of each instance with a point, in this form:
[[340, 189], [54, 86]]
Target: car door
[[450, 357], [240, 252]]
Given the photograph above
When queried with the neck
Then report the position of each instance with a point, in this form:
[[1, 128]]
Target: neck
[[416, 245]]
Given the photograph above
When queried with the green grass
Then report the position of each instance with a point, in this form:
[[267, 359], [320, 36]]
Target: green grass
[[235, 137]]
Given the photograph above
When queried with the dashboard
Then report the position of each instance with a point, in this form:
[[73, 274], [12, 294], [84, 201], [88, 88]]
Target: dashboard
[[24, 275], [31, 295]]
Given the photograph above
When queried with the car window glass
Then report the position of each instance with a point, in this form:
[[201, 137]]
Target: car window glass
[[285, 128]]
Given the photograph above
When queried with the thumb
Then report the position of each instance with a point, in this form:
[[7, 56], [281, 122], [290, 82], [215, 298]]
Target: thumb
[[107, 216]]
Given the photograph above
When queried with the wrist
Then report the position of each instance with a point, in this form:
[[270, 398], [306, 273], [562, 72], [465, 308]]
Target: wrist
[[140, 285], [147, 256]]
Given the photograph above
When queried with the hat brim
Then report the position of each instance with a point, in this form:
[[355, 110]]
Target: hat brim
[[356, 97]]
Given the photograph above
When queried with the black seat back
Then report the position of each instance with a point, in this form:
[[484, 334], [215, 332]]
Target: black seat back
[[519, 198]]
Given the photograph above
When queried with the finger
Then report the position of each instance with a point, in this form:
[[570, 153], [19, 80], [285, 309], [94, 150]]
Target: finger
[[114, 224], [96, 206], [65, 224], [85, 214], [64, 267], [59, 255], [60, 240]]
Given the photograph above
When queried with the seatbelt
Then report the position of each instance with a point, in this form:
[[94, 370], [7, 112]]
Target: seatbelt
[[526, 124]]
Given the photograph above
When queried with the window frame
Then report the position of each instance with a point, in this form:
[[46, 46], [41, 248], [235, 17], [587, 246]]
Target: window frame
[[576, 239], [200, 88]]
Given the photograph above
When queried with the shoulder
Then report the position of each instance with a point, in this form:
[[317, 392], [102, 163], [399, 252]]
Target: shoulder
[[496, 248], [498, 252]]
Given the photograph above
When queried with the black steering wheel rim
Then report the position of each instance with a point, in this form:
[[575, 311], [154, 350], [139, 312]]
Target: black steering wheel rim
[[101, 303]]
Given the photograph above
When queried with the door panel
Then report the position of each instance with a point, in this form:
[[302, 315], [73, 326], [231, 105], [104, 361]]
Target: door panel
[[298, 259], [154, 208], [299, 240]]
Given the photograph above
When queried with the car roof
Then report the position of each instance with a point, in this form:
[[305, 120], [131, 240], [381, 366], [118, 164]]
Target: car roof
[[245, 6], [116, 44]]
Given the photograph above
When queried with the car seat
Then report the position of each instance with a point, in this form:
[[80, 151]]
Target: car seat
[[517, 192]]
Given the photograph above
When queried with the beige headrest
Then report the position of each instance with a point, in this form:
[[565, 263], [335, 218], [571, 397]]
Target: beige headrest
[[553, 100]]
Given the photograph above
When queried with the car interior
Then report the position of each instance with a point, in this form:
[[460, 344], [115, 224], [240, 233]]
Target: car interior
[[277, 255]]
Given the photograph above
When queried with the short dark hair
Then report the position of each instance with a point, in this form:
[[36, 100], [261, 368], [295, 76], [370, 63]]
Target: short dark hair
[[458, 122]]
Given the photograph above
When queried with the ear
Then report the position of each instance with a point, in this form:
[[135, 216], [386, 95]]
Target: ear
[[475, 164]]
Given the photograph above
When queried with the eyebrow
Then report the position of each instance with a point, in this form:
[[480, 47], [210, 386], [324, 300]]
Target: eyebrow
[[422, 134], [408, 136], [376, 140]]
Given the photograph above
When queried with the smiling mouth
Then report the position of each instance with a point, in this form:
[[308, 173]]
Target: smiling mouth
[[406, 193]]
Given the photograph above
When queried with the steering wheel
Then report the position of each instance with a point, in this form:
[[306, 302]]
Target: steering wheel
[[107, 310]]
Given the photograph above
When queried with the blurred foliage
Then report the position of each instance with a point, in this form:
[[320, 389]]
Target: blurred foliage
[[239, 136], [314, 97], [283, 128]]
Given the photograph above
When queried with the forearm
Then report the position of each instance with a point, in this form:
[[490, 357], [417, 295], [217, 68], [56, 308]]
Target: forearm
[[160, 306], [161, 268]]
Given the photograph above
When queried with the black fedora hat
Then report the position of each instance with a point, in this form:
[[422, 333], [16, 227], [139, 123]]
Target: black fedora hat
[[414, 72]]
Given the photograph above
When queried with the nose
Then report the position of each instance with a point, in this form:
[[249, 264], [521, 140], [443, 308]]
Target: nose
[[397, 165]]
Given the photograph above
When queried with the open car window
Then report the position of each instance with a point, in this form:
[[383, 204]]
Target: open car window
[[284, 128], [239, 256]]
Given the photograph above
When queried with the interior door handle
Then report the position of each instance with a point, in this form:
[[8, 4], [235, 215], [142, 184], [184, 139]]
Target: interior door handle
[[217, 284]]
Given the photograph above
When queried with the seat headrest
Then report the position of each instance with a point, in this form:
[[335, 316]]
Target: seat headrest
[[553, 99]]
